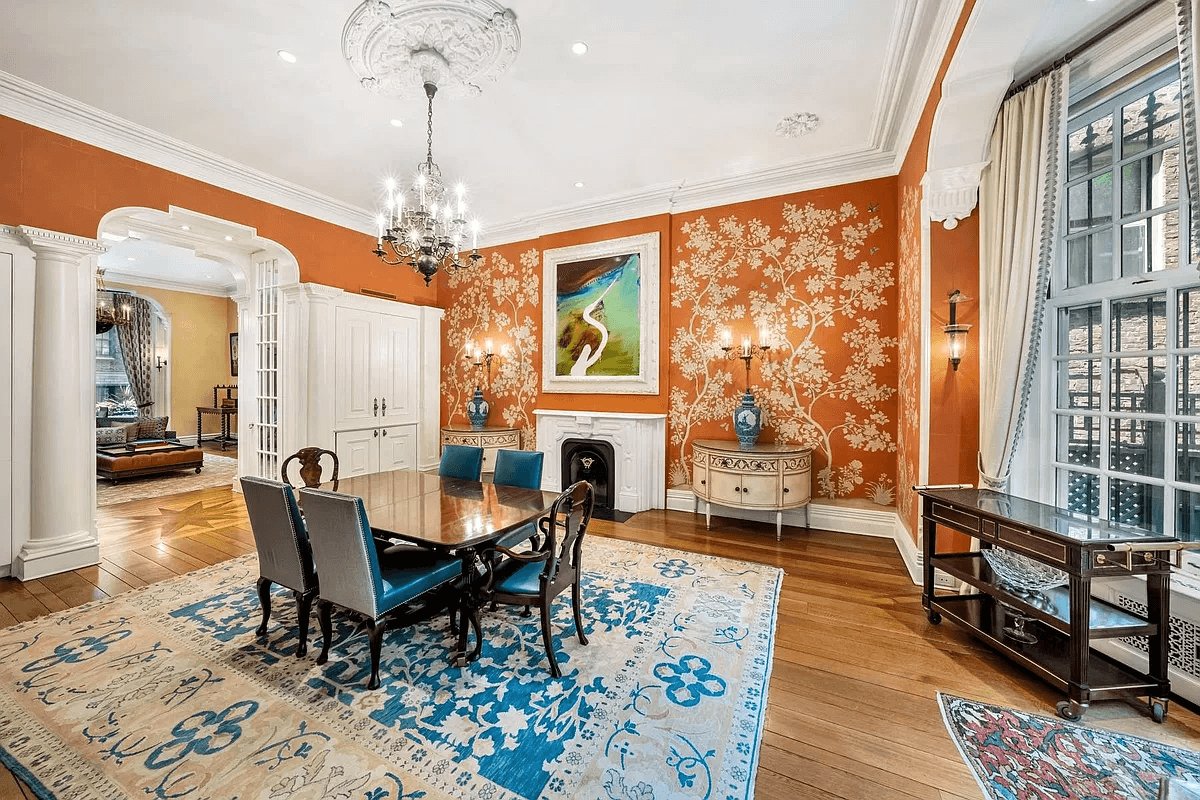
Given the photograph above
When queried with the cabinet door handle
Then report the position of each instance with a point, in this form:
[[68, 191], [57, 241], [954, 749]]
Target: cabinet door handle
[[385, 431], [737, 488], [701, 483], [375, 433], [385, 408], [786, 490], [377, 406]]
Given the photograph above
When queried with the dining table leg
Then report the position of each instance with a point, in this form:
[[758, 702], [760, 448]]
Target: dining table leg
[[469, 611]]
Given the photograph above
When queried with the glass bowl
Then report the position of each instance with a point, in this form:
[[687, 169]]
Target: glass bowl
[[1021, 572]]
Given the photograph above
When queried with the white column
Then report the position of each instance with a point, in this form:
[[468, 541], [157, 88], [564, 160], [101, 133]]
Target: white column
[[62, 509]]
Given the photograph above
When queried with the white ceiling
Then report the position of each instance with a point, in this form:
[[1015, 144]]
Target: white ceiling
[[149, 263], [677, 99]]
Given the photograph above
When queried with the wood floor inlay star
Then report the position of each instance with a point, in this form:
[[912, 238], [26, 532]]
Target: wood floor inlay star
[[199, 515]]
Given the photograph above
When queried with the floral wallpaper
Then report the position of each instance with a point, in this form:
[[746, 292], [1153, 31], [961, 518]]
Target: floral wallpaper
[[494, 299], [816, 269], [818, 278], [909, 405]]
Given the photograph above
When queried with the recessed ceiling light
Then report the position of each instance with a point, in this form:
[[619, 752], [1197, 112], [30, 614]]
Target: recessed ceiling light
[[578, 184], [112, 237], [229, 238], [185, 227], [396, 123], [208, 277], [130, 258], [579, 48], [288, 57]]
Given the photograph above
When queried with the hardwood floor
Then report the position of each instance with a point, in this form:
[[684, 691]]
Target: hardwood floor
[[852, 710]]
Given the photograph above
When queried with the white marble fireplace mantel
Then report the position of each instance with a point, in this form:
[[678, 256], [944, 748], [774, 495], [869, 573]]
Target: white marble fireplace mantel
[[639, 443]]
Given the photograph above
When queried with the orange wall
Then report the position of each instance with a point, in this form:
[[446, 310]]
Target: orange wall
[[818, 267], [50, 181], [953, 420]]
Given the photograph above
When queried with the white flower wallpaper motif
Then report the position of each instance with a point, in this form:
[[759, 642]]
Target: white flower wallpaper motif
[[817, 283], [496, 300]]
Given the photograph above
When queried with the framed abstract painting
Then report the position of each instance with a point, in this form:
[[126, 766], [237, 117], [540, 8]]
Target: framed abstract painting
[[600, 317]]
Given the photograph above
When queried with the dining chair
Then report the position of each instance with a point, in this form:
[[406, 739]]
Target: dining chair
[[311, 471], [522, 469], [535, 578], [461, 461], [355, 580], [284, 552]]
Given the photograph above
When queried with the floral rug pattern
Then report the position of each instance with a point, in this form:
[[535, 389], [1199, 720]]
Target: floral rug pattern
[[166, 692], [1028, 757]]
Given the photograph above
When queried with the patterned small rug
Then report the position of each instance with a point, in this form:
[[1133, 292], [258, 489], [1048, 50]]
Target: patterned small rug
[[1015, 756], [217, 471], [165, 692]]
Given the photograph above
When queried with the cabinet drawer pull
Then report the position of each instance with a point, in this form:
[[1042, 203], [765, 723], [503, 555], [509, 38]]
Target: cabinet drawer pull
[[737, 488], [701, 483], [786, 490]]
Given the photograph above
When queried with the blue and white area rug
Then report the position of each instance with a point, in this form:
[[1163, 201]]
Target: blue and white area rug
[[167, 693]]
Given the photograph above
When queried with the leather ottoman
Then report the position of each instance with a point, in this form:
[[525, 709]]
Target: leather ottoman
[[115, 465]]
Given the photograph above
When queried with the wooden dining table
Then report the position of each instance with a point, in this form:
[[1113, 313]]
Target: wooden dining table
[[449, 515]]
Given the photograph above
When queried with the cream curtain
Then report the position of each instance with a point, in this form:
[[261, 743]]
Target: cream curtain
[[1018, 212], [137, 348], [1186, 14]]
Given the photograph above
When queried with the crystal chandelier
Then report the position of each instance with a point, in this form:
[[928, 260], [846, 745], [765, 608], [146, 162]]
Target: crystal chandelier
[[428, 230], [108, 313]]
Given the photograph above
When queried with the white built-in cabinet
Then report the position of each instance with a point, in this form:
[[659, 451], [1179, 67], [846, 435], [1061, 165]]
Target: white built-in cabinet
[[373, 374]]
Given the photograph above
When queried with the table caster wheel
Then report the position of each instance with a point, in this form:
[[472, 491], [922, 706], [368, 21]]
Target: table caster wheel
[[934, 617], [1158, 710], [1069, 711]]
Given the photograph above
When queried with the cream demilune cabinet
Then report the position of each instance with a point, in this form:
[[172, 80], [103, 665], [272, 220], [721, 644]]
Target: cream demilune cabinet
[[769, 477], [377, 373], [363, 452]]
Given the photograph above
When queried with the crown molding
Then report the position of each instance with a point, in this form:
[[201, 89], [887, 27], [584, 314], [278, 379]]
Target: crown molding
[[129, 279], [43, 108], [901, 102], [45, 242]]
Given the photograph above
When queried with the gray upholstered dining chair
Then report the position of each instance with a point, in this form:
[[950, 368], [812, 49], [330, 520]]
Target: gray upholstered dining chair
[[354, 579], [535, 578], [461, 461], [284, 554]]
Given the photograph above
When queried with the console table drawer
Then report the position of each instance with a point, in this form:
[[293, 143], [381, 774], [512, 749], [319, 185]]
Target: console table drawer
[[1020, 539], [956, 518]]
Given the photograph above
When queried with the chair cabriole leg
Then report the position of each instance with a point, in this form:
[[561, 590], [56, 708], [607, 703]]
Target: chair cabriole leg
[[576, 604], [264, 599], [303, 608], [548, 639], [325, 614], [375, 629]]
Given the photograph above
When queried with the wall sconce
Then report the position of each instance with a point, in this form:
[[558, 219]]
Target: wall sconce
[[956, 333], [159, 362]]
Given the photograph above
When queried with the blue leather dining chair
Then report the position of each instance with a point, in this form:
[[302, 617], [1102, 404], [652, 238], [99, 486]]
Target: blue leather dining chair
[[284, 553], [461, 461], [522, 469], [353, 578], [537, 577]]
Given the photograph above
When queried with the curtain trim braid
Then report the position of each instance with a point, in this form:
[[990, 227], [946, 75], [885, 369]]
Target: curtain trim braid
[[1184, 25], [1046, 250]]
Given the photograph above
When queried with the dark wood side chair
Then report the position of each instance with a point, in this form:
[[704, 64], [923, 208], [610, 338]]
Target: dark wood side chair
[[284, 554], [353, 578], [537, 577], [311, 471]]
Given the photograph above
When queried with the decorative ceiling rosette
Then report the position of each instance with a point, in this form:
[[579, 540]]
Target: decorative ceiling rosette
[[396, 47]]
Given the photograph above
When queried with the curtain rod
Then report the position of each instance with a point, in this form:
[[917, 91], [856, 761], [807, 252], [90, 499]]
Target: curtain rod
[[1074, 52]]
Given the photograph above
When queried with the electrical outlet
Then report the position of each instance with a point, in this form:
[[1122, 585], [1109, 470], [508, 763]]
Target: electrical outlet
[[943, 580]]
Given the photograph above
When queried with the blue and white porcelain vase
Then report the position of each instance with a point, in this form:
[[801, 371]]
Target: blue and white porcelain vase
[[477, 410], [747, 421]]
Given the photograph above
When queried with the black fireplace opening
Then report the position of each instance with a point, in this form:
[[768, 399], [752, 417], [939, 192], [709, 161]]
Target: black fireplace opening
[[593, 460]]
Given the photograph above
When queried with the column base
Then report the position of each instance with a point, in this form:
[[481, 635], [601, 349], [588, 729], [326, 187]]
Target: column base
[[41, 557]]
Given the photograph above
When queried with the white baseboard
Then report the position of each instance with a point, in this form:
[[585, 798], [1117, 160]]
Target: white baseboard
[[857, 517]]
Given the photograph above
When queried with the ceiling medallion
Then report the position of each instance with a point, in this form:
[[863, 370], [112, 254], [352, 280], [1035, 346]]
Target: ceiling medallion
[[796, 125], [397, 47]]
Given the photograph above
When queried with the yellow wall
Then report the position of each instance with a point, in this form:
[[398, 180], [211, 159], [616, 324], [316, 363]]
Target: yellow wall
[[199, 358]]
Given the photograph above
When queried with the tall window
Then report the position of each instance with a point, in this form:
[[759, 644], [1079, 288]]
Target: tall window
[[112, 382], [1126, 313]]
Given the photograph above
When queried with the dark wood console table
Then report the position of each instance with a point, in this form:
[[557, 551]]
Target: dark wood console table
[[1064, 619]]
